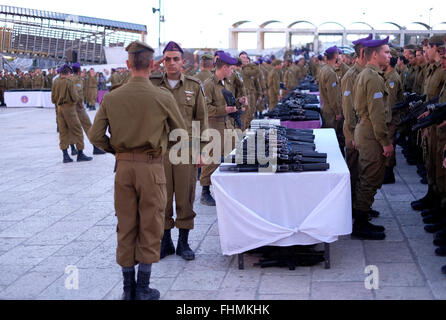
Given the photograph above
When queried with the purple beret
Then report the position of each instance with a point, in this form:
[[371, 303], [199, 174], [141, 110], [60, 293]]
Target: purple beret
[[269, 61], [226, 58], [77, 65], [261, 59], [257, 62], [173, 46], [360, 41], [217, 53], [340, 51], [333, 49], [375, 43]]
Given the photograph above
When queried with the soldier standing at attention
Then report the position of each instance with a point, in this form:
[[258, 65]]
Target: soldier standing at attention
[[91, 90], [139, 117], [371, 136], [182, 178], [348, 93], [396, 95], [64, 95], [206, 66], [217, 112], [114, 78], [330, 90], [2, 89], [38, 81], [274, 84]]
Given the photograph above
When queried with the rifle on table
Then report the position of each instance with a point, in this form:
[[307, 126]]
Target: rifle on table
[[283, 168], [408, 99]]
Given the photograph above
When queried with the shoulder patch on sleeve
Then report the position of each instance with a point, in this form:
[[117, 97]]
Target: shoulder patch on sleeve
[[378, 95], [347, 93], [334, 84]]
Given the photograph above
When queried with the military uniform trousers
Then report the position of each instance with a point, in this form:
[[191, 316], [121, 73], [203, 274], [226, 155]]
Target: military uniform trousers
[[352, 159], [140, 202], [219, 124], [371, 166], [91, 96], [83, 117], [180, 182], [70, 129], [273, 99], [440, 172], [2, 96], [391, 162], [248, 116], [430, 152]]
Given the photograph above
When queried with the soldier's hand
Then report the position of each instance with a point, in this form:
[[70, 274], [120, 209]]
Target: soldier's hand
[[388, 151], [425, 114], [442, 124], [200, 162], [354, 144], [230, 110], [244, 101]]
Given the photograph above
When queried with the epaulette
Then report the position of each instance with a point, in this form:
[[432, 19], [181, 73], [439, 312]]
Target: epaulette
[[193, 79], [156, 76]]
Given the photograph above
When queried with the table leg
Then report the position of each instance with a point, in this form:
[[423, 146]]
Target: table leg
[[241, 262], [327, 256]]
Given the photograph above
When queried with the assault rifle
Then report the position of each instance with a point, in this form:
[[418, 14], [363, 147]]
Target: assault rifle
[[437, 116], [232, 102]]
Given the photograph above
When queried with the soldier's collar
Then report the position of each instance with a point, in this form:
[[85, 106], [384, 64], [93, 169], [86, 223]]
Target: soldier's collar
[[376, 68], [181, 80]]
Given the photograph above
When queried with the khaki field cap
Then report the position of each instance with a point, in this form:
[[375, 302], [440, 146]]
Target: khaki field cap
[[138, 46], [207, 56], [276, 62]]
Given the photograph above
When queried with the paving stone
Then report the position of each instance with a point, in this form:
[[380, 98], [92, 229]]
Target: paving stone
[[94, 284], [387, 252], [198, 280], [431, 267], [403, 293], [399, 275], [236, 294], [210, 245], [236, 279], [27, 255], [299, 285], [9, 274], [209, 262], [284, 297], [8, 243], [97, 233], [78, 248], [438, 288], [340, 291], [25, 229], [29, 286]]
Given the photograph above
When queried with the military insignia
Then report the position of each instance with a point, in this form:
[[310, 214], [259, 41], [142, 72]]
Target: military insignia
[[334, 84], [24, 99], [347, 93], [392, 85]]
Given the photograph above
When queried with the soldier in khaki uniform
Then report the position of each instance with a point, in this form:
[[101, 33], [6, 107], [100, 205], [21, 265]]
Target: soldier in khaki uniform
[[409, 79], [250, 74], [420, 71], [341, 66], [206, 66], [115, 78], [91, 90], [274, 84], [348, 94], [181, 178], [81, 113], [330, 91], [139, 117], [27, 82], [217, 112], [64, 95], [11, 82], [396, 95], [38, 82], [434, 82], [371, 136], [290, 75]]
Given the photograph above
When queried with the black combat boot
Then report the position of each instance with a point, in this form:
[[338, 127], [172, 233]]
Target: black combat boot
[[441, 251], [364, 230], [93, 107], [129, 286], [440, 242], [389, 176], [167, 247], [73, 150], [97, 151], [81, 157], [66, 157], [183, 248], [432, 216], [143, 292], [436, 227], [443, 270], [374, 213], [206, 198], [426, 202]]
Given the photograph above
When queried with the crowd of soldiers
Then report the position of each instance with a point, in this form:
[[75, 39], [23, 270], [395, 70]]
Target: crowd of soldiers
[[43, 80], [156, 97], [358, 103]]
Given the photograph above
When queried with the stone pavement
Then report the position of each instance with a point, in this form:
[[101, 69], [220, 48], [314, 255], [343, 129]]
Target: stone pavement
[[54, 215]]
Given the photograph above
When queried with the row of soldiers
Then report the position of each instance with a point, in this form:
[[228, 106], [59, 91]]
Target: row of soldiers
[[359, 106]]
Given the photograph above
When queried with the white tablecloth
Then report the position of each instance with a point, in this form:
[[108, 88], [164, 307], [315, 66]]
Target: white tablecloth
[[285, 209], [28, 99]]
